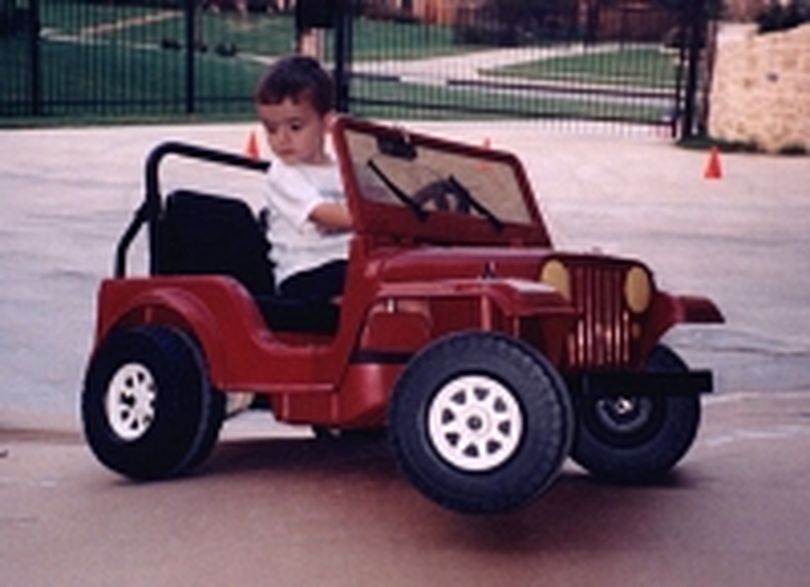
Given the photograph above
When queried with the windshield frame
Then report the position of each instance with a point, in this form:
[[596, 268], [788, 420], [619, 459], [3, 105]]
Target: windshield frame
[[441, 227]]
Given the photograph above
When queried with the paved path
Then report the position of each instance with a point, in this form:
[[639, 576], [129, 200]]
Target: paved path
[[470, 65]]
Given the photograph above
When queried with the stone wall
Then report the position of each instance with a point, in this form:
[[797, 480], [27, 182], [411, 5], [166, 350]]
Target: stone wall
[[760, 91]]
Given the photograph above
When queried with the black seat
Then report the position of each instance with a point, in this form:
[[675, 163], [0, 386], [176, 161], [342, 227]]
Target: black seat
[[294, 315], [207, 234]]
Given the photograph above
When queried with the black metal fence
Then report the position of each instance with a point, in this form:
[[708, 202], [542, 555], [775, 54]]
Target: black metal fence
[[638, 62], [94, 58]]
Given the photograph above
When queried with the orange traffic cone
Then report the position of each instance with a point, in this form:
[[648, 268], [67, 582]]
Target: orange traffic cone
[[252, 147], [714, 169]]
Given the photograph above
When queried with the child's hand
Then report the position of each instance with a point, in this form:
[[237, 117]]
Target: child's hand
[[332, 216]]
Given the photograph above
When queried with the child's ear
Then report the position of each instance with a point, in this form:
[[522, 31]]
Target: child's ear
[[329, 118]]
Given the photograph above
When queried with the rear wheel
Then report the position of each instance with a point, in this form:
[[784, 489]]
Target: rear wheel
[[480, 422], [637, 438], [148, 408]]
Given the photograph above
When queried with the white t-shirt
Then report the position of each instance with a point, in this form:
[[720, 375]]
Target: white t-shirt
[[293, 192]]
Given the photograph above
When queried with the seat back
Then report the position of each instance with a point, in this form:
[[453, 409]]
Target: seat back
[[207, 234]]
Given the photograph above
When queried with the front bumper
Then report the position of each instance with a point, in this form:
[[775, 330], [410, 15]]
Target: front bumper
[[614, 384]]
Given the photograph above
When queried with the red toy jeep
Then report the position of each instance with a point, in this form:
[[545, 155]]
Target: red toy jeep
[[489, 355]]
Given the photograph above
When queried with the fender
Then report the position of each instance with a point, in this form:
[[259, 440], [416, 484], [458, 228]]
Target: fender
[[668, 310], [698, 309], [132, 302]]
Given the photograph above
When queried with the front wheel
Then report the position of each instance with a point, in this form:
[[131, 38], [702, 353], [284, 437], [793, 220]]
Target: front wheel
[[148, 408], [480, 422], [637, 438]]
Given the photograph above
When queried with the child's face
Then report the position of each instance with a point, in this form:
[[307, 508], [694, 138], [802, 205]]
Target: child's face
[[295, 131]]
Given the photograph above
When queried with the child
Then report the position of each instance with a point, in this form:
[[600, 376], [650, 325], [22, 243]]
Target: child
[[309, 222]]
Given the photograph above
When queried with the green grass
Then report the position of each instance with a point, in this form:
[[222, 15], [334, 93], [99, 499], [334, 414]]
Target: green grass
[[105, 59], [379, 40], [121, 24], [90, 79], [260, 34], [14, 66], [384, 99], [646, 67]]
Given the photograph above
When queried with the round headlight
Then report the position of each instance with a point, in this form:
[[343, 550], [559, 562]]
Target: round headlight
[[638, 290], [556, 275]]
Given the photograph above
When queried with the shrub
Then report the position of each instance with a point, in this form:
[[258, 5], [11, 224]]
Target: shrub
[[779, 17]]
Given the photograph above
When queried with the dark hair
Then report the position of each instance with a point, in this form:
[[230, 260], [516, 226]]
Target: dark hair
[[297, 77]]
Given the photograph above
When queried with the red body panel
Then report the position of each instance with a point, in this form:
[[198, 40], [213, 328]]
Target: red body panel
[[240, 350], [345, 379]]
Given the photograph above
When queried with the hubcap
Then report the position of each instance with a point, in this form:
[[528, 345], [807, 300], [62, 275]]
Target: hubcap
[[130, 401], [624, 422], [475, 423], [624, 415]]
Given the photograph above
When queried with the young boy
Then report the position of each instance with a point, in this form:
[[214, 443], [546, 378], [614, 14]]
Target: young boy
[[309, 222]]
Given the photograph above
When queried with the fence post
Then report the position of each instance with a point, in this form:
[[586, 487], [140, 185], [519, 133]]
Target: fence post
[[343, 54], [695, 33], [36, 61], [191, 42]]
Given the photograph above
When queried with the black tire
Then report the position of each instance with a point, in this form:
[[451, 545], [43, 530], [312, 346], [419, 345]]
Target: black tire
[[148, 409], [480, 422], [211, 429], [637, 439]]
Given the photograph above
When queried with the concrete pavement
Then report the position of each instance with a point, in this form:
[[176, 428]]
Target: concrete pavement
[[742, 240], [275, 507]]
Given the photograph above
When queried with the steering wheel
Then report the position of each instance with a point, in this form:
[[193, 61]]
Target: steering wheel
[[441, 194]]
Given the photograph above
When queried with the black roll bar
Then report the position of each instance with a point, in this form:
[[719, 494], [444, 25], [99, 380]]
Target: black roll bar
[[149, 211]]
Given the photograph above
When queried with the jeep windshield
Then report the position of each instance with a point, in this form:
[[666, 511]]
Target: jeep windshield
[[407, 184]]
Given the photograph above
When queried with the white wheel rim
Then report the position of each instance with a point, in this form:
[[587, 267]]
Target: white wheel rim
[[475, 423], [130, 401]]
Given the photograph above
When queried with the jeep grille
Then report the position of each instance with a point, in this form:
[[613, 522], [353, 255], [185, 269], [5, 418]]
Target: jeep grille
[[602, 336]]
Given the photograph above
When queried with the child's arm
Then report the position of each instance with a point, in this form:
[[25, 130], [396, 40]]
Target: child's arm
[[332, 216]]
